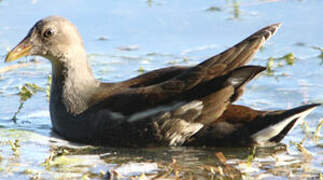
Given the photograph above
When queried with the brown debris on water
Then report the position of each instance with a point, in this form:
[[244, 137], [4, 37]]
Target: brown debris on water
[[307, 154]]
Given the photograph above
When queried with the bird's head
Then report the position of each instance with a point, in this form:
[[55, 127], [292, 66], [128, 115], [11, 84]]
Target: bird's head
[[52, 37]]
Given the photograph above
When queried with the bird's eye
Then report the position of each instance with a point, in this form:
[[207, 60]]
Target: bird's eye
[[48, 33]]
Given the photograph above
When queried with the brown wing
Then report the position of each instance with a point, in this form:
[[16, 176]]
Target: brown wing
[[155, 76], [146, 79], [207, 81]]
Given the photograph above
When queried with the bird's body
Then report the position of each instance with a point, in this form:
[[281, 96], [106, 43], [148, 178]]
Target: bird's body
[[170, 106]]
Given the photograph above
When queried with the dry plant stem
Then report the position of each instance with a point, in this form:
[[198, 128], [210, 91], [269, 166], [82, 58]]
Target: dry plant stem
[[15, 66]]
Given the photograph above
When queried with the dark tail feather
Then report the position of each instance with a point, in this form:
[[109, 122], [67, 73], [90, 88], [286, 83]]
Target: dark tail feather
[[275, 125]]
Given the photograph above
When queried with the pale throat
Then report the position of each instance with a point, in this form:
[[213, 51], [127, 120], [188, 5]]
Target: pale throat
[[73, 82]]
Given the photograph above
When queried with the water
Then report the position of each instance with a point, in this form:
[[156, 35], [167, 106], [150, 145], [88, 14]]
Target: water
[[124, 38]]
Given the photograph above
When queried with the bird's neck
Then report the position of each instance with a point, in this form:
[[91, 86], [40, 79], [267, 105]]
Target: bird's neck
[[73, 84]]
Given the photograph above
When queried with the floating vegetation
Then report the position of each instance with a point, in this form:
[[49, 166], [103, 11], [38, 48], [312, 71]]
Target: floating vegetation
[[48, 160], [175, 170], [63, 150], [141, 70], [92, 175], [306, 128], [58, 158], [103, 38], [300, 147], [149, 2], [214, 8], [61, 161], [183, 60], [270, 65], [289, 58], [33, 174], [272, 62], [30, 171], [236, 9], [14, 146], [251, 156], [26, 92], [233, 5]]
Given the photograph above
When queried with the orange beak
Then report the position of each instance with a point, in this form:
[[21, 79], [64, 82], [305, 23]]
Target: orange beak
[[21, 50]]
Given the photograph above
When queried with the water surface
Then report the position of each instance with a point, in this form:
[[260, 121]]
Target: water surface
[[126, 38]]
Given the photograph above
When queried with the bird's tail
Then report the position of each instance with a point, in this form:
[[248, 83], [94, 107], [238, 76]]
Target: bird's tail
[[273, 126]]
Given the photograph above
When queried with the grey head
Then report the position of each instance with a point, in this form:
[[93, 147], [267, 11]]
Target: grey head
[[53, 37]]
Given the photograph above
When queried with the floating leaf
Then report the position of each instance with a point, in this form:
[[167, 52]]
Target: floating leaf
[[213, 8], [270, 64], [290, 58], [141, 69], [236, 10], [28, 90]]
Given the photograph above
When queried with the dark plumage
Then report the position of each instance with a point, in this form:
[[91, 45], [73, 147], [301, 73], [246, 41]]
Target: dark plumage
[[170, 106]]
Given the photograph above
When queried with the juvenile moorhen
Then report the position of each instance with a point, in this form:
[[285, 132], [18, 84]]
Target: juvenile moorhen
[[169, 106]]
